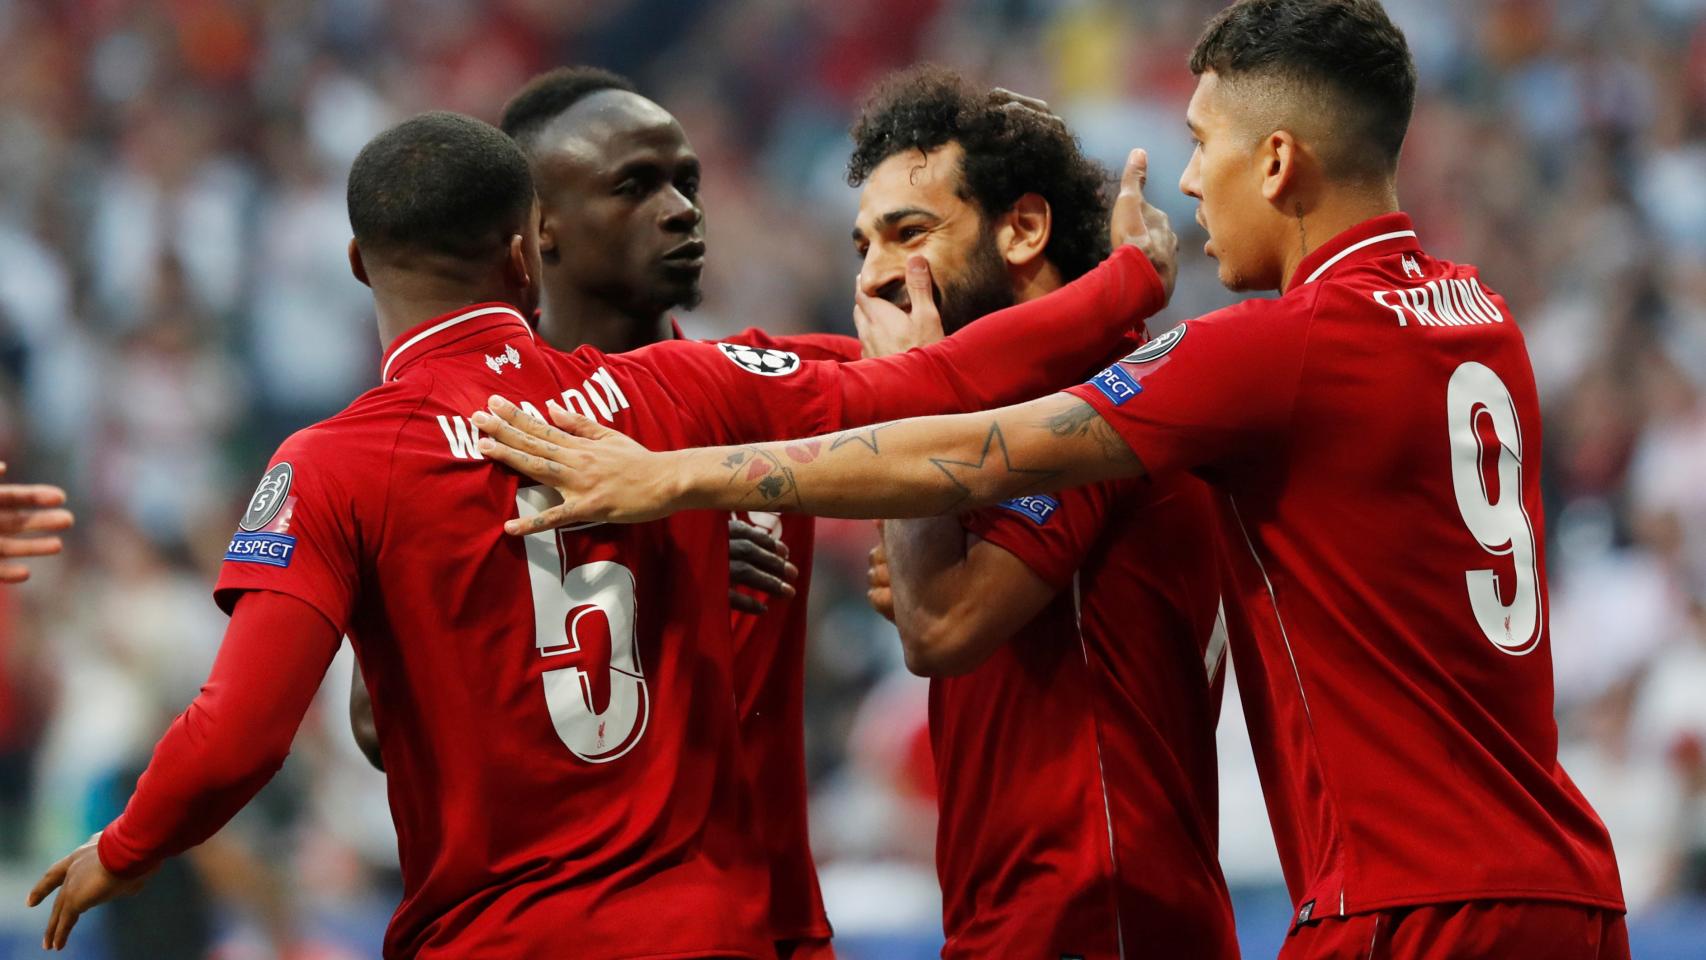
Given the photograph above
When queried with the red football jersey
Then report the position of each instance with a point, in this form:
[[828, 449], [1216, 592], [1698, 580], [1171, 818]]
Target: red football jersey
[[557, 712], [1374, 434], [770, 668], [1090, 830]]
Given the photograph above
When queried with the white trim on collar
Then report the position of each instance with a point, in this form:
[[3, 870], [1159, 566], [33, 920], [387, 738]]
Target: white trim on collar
[[1335, 258], [385, 371]]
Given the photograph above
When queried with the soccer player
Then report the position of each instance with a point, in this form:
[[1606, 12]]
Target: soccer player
[[556, 713], [1373, 435], [610, 163], [588, 296], [27, 510], [1005, 208]]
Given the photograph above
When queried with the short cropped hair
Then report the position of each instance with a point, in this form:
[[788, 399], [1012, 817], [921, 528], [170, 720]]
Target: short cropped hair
[[439, 183], [1347, 51], [1008, 153], [548, 95]]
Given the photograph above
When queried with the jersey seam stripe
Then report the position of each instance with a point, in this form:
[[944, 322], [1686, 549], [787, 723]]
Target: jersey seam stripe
[[391, 459], [1342, 254], [385, 371], [1273, 600], [1101, 773]]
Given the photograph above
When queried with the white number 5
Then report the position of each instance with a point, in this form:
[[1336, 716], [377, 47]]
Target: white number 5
[[598, 701], [1475, 398]]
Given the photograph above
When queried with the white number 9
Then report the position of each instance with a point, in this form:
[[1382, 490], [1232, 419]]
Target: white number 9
[[1475, 398]]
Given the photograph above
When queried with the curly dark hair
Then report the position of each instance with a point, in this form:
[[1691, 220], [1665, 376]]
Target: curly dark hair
[[1009, 152]]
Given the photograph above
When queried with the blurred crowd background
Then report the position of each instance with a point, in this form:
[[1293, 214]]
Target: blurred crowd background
[[174, 300]]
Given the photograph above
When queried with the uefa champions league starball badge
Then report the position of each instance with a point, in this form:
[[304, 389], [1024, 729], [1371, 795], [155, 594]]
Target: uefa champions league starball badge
[[763, 361]]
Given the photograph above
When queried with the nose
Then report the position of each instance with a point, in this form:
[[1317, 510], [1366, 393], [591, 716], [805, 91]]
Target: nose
[[681, 213], [883, 274], [1189, 184]]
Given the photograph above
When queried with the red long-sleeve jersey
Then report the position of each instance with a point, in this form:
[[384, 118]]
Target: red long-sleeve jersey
[[556, 713]]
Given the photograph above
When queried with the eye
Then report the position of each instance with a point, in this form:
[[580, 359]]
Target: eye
[[630, 187], [909, 234], [689, 187], [860, 249]]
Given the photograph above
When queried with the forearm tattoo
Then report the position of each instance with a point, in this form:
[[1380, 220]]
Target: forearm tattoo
[[1082, 420], [1008, 479]]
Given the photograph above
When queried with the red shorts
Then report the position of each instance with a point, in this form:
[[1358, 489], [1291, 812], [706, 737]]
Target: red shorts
[[1479, 930], [814, 949]]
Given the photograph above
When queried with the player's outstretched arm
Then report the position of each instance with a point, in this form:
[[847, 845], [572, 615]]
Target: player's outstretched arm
[[905, 468], [212, 760], [26, 512]]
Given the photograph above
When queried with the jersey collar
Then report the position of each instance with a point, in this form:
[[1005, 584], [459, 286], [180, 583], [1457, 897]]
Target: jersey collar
[[446, 329], [1385, 234]]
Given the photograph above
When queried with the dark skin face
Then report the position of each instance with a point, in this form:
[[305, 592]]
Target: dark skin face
[[621, 242], [622, 231]]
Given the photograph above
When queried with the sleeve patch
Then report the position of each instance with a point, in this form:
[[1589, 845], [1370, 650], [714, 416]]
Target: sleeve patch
[[764, 361], [1115, 384], [271, 549], [1157, 348], [1037, 509], [269, 497]]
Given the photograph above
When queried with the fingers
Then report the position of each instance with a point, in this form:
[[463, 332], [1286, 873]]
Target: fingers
[[575, 424], [557, 516], [49, 882], [761, 559], [526, 423], [750, 576], [539, 469], [30, 495], [920, 288], [864, 303], [66, 918], [32, 520], [746, 603], [740, 530], [525, 444], [881, 600], [501, 431], [33, 547], [51, 934], [1135, 176], [1011, 100]]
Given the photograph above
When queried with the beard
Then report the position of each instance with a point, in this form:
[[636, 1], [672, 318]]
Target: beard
[[981, 289]]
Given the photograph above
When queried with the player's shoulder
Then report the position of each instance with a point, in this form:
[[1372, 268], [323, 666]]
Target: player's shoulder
[[1256, 325], [715, 359], [354, 436], [810, 346]]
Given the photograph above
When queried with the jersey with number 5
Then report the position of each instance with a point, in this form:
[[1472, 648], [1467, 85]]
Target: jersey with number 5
[[532, 696], [557, 714], [1374, 435]]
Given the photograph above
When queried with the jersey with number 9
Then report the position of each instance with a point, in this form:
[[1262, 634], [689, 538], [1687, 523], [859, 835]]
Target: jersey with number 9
[[1375, 436]]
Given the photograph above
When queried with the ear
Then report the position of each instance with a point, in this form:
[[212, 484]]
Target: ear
[[1024, 230], [1281, 159], [515, 264], [547, 234], [356, 267]]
